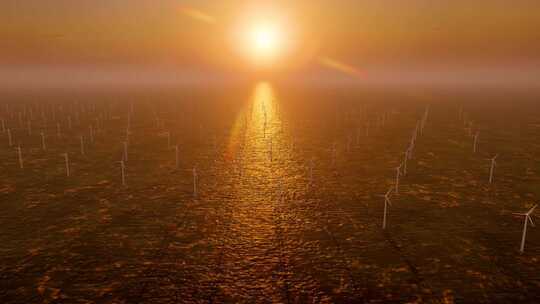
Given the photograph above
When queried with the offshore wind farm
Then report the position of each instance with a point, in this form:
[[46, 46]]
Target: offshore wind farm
[[270, 153]]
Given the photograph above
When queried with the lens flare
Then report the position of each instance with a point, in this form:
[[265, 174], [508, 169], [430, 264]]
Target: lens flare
[[197, 15], [339, 66]]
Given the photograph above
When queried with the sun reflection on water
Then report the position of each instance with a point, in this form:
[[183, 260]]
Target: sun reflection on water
[[255, 122], [258, 183]]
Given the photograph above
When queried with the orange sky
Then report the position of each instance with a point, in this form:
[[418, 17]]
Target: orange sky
[[359, 32]]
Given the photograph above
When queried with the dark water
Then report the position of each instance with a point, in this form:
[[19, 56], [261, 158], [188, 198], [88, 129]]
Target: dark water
[[289, 200]]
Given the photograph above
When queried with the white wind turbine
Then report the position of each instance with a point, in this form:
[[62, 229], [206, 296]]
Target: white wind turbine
[[82, 145], [195, 178], [10, 139], [527, 219], [43, 140], [270, 149], [123, 169], [334, 153], [404, 164], [311, 165], [66, 160], [492, 169], [19, 153], [176, 156], [386, 203], [125, 143], [475, 148], [398, 174], [91, 134]]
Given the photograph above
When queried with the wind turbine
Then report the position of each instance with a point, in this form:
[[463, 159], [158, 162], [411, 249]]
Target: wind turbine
[[82, 144], [125, 143], [334, 153], [476, 141], [386, 203], [19, 153], [398, 173], [66, 160], [270, 151], [10, 139], [492, 169], [123, 169], [404, 164], [91, 134], [43, 140], [176, 156], [311, 165], [195, 180], [527, 219]]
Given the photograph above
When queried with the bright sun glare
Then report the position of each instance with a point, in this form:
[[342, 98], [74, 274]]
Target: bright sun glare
[[265, 39], [266, 42]]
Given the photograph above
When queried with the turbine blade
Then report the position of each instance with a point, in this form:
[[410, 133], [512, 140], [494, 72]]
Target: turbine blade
[[530, 220], [532, 209]]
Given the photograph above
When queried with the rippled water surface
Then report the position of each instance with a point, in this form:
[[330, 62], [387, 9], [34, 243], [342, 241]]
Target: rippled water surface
[[288, 204]]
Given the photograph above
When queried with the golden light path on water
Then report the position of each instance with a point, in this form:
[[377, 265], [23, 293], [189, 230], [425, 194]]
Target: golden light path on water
[[255, 120], [254, 245]]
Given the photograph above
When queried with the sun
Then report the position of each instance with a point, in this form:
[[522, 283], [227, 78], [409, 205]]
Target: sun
[[264, 37], [265, 41]]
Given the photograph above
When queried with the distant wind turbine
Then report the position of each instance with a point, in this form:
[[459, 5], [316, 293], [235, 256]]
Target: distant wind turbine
[[526, 220], [386, 203]]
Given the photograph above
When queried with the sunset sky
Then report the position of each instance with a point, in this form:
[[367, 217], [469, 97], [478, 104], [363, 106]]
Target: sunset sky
[[199, 35]]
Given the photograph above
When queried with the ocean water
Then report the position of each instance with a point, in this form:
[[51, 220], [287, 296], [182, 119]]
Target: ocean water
[[267, 194]]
